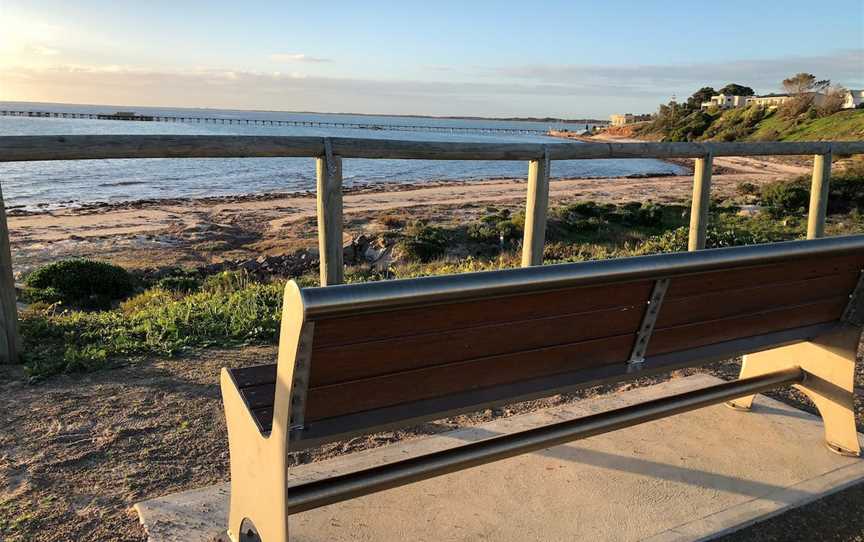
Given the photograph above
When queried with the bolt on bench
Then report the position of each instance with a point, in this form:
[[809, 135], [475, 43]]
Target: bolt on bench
[[359, 358]]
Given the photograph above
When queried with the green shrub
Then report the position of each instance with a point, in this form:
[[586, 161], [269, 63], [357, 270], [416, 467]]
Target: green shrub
[[715, 237], [580, 209], [585, 225], [747, 189], [786, 197], [792, 197], [81, 283], [423, 242], [179, 284], [392, 220], [154, 297], [226, 282], [499, 224], [846, 193], [638, 214]]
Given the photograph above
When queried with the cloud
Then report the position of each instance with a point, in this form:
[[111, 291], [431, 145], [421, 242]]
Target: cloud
[[298, 57], [218, 88], [844, 67], [41, 50], [529, 90]]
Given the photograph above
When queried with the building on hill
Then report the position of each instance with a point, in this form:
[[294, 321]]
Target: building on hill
[[770, 101], [854, 99], [619, 119], [725, 101]]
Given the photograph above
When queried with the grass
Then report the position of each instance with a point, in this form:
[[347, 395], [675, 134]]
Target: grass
[[232, 309], [755, 124], [844, 125]]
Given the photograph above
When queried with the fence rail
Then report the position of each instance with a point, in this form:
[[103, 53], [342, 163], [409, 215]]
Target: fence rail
[[329, 153], [91, 147]]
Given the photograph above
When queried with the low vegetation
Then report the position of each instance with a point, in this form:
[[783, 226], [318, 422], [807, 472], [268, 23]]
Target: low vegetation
[[97, 313], [79, 283]]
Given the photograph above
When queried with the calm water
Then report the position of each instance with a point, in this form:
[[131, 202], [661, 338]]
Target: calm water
[[53, 184]]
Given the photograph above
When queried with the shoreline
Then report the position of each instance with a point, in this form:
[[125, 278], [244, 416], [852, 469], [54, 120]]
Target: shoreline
[[196, 232], [91, 207]]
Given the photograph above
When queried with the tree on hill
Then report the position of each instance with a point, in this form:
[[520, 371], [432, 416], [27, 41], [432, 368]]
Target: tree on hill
[[802, 87], [734, 89], [702, 95], [803, 83]]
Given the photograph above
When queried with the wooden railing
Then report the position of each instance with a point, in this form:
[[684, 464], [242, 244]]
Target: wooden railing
[[329, 153]]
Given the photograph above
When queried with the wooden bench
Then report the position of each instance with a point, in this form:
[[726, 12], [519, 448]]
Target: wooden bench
[[359, 358]]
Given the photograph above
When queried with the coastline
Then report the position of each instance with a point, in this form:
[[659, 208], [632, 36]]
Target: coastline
[[198, 232]]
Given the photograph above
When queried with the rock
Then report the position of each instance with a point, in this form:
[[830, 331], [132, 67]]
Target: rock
[[352, 252], [749, 210]]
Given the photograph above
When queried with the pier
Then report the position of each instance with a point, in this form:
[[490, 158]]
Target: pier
[[274, 122]]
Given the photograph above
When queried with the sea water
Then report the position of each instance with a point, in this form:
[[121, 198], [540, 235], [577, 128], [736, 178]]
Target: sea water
[[32, 185]]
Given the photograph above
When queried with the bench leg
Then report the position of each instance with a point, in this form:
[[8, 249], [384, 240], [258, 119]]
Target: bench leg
[[258, 475], [829, 363]]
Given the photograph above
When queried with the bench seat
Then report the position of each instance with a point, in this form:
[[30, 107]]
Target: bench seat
[[354, 359]]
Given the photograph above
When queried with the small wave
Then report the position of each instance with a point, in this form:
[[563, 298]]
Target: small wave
[[122, 183]]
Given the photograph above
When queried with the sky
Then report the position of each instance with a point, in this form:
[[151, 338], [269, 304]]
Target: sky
[[569, 59]]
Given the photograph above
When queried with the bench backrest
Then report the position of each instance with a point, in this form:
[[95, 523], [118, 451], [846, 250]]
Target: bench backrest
[[393, 353]]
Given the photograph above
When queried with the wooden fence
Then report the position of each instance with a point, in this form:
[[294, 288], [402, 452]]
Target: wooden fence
[[329, 153]]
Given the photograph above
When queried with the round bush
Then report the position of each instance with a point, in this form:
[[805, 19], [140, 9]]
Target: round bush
[[786, 197], [83, 283], [423, 243]]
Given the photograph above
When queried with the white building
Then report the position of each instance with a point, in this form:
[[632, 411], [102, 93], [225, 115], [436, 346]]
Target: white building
[[621, 119], [854, 99], [769, 100], [725, 101]]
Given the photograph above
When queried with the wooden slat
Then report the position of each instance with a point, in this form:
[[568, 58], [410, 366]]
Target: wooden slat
[[253, 376], [724, 304], [351, 362], [264, 417], [259, 396], [357, 396], [370, 327], [748, 277], [687, 336]]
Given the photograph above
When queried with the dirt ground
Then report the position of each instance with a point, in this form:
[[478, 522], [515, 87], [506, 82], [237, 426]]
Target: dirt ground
[[77, 451]]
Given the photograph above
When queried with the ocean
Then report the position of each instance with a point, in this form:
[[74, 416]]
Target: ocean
[[46, 185]]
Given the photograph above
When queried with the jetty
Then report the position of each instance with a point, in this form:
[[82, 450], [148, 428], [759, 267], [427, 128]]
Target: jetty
[[130, 116]]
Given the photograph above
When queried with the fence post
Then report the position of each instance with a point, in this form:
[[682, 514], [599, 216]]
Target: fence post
[[535, 212], [701, 201], [819, 195], [329, 194], [10, 342]]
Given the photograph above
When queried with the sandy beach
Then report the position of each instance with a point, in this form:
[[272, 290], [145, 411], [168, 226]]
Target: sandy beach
[[195, 232]]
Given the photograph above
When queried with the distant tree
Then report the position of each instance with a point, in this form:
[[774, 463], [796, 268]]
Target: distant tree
[[833, 102], [802, 87], [802, 83], [734, 89], [702, 95]]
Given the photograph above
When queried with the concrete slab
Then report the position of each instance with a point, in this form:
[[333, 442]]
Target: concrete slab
[[690, 477]]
